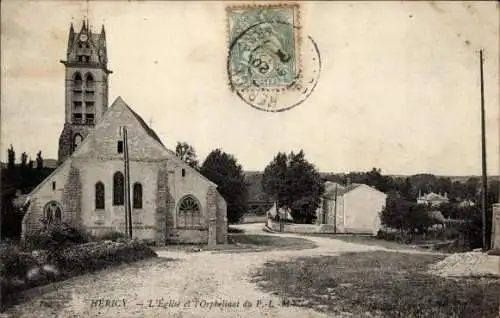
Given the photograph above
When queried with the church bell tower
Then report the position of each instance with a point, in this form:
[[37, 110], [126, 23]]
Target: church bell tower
[[86, 86]]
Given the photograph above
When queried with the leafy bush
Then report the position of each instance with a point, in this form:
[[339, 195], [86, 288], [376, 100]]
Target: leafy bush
[[472, 232], [14, 265], [15, 262], [20, 270], [54, 237], [406, 216], [97, 255], [114, 236]]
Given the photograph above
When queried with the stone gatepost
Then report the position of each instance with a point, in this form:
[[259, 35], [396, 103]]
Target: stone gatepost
[[212, 215], [495, 231]]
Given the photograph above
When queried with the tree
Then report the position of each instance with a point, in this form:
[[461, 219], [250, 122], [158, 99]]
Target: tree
[[405, 216], [375, 179], [294, 183], [39, 160], [24, 160], [472, 186], [186, 152], [223, 169], [11, 155]]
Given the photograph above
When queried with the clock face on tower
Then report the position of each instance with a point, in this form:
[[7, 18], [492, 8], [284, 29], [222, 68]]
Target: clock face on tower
[[83, 37]]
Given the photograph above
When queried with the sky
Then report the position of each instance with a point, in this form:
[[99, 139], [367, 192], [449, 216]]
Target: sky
[[398, 90]]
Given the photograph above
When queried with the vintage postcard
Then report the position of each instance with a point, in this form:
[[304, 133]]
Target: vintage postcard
[[250, 159]]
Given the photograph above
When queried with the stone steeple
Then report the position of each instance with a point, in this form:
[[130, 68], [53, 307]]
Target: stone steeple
[[86, 86]]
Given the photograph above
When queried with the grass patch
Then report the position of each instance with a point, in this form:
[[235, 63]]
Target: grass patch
[[386, 284]]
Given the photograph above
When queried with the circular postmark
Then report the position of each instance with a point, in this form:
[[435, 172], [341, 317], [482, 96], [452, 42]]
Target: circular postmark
[[268, 71]]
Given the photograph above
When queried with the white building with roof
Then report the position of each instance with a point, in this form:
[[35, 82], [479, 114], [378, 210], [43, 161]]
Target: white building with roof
[[433, 199], [352, 209]]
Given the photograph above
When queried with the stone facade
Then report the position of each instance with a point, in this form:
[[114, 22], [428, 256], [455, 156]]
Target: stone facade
[[166, 183]]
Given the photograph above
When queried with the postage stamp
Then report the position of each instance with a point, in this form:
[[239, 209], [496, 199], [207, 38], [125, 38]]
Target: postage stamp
[[264, 45], [269, 65]]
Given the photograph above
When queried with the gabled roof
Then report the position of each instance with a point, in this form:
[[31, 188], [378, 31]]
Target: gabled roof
[[349, 188], [154, 135], [141, 121]]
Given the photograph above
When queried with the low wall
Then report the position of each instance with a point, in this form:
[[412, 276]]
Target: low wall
[[299, 228]]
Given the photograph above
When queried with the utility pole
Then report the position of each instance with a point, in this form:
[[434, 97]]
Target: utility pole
[[335, 212], [127, 183], [484, 190]]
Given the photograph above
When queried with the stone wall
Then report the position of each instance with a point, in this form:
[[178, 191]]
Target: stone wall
[[299, 228], [221, 220]]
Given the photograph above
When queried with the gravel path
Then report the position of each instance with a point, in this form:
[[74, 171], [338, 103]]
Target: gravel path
[[187, 287]]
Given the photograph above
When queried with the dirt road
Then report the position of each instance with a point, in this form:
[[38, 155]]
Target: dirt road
[[203, 284]]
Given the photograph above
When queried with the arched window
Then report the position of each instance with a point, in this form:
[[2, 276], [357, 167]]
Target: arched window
[[89, 81], [189, 213], [137, 195], [77, 140], [118, 188], [99, 195], [53, 212], [77, 80]]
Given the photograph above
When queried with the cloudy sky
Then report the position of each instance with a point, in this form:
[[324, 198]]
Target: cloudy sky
[[399, 87]]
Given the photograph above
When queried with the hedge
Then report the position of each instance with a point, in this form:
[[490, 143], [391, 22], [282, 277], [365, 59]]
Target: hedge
[[20, 270]]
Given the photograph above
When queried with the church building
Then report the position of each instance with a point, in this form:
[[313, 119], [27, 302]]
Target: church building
[[170, 201]]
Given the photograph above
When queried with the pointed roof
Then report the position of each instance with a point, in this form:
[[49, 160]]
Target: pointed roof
[[349, 188], [145, 126]]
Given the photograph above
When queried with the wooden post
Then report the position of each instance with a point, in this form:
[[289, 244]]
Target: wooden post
[[484, 190], [335, 212], [122, 135], [127, 182]]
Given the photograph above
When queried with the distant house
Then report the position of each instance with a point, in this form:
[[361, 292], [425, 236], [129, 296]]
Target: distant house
[[433, 199], [351, 209], [466, 203], [282, 213]]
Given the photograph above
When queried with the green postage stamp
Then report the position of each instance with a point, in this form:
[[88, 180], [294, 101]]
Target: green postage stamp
[[263, 46]]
